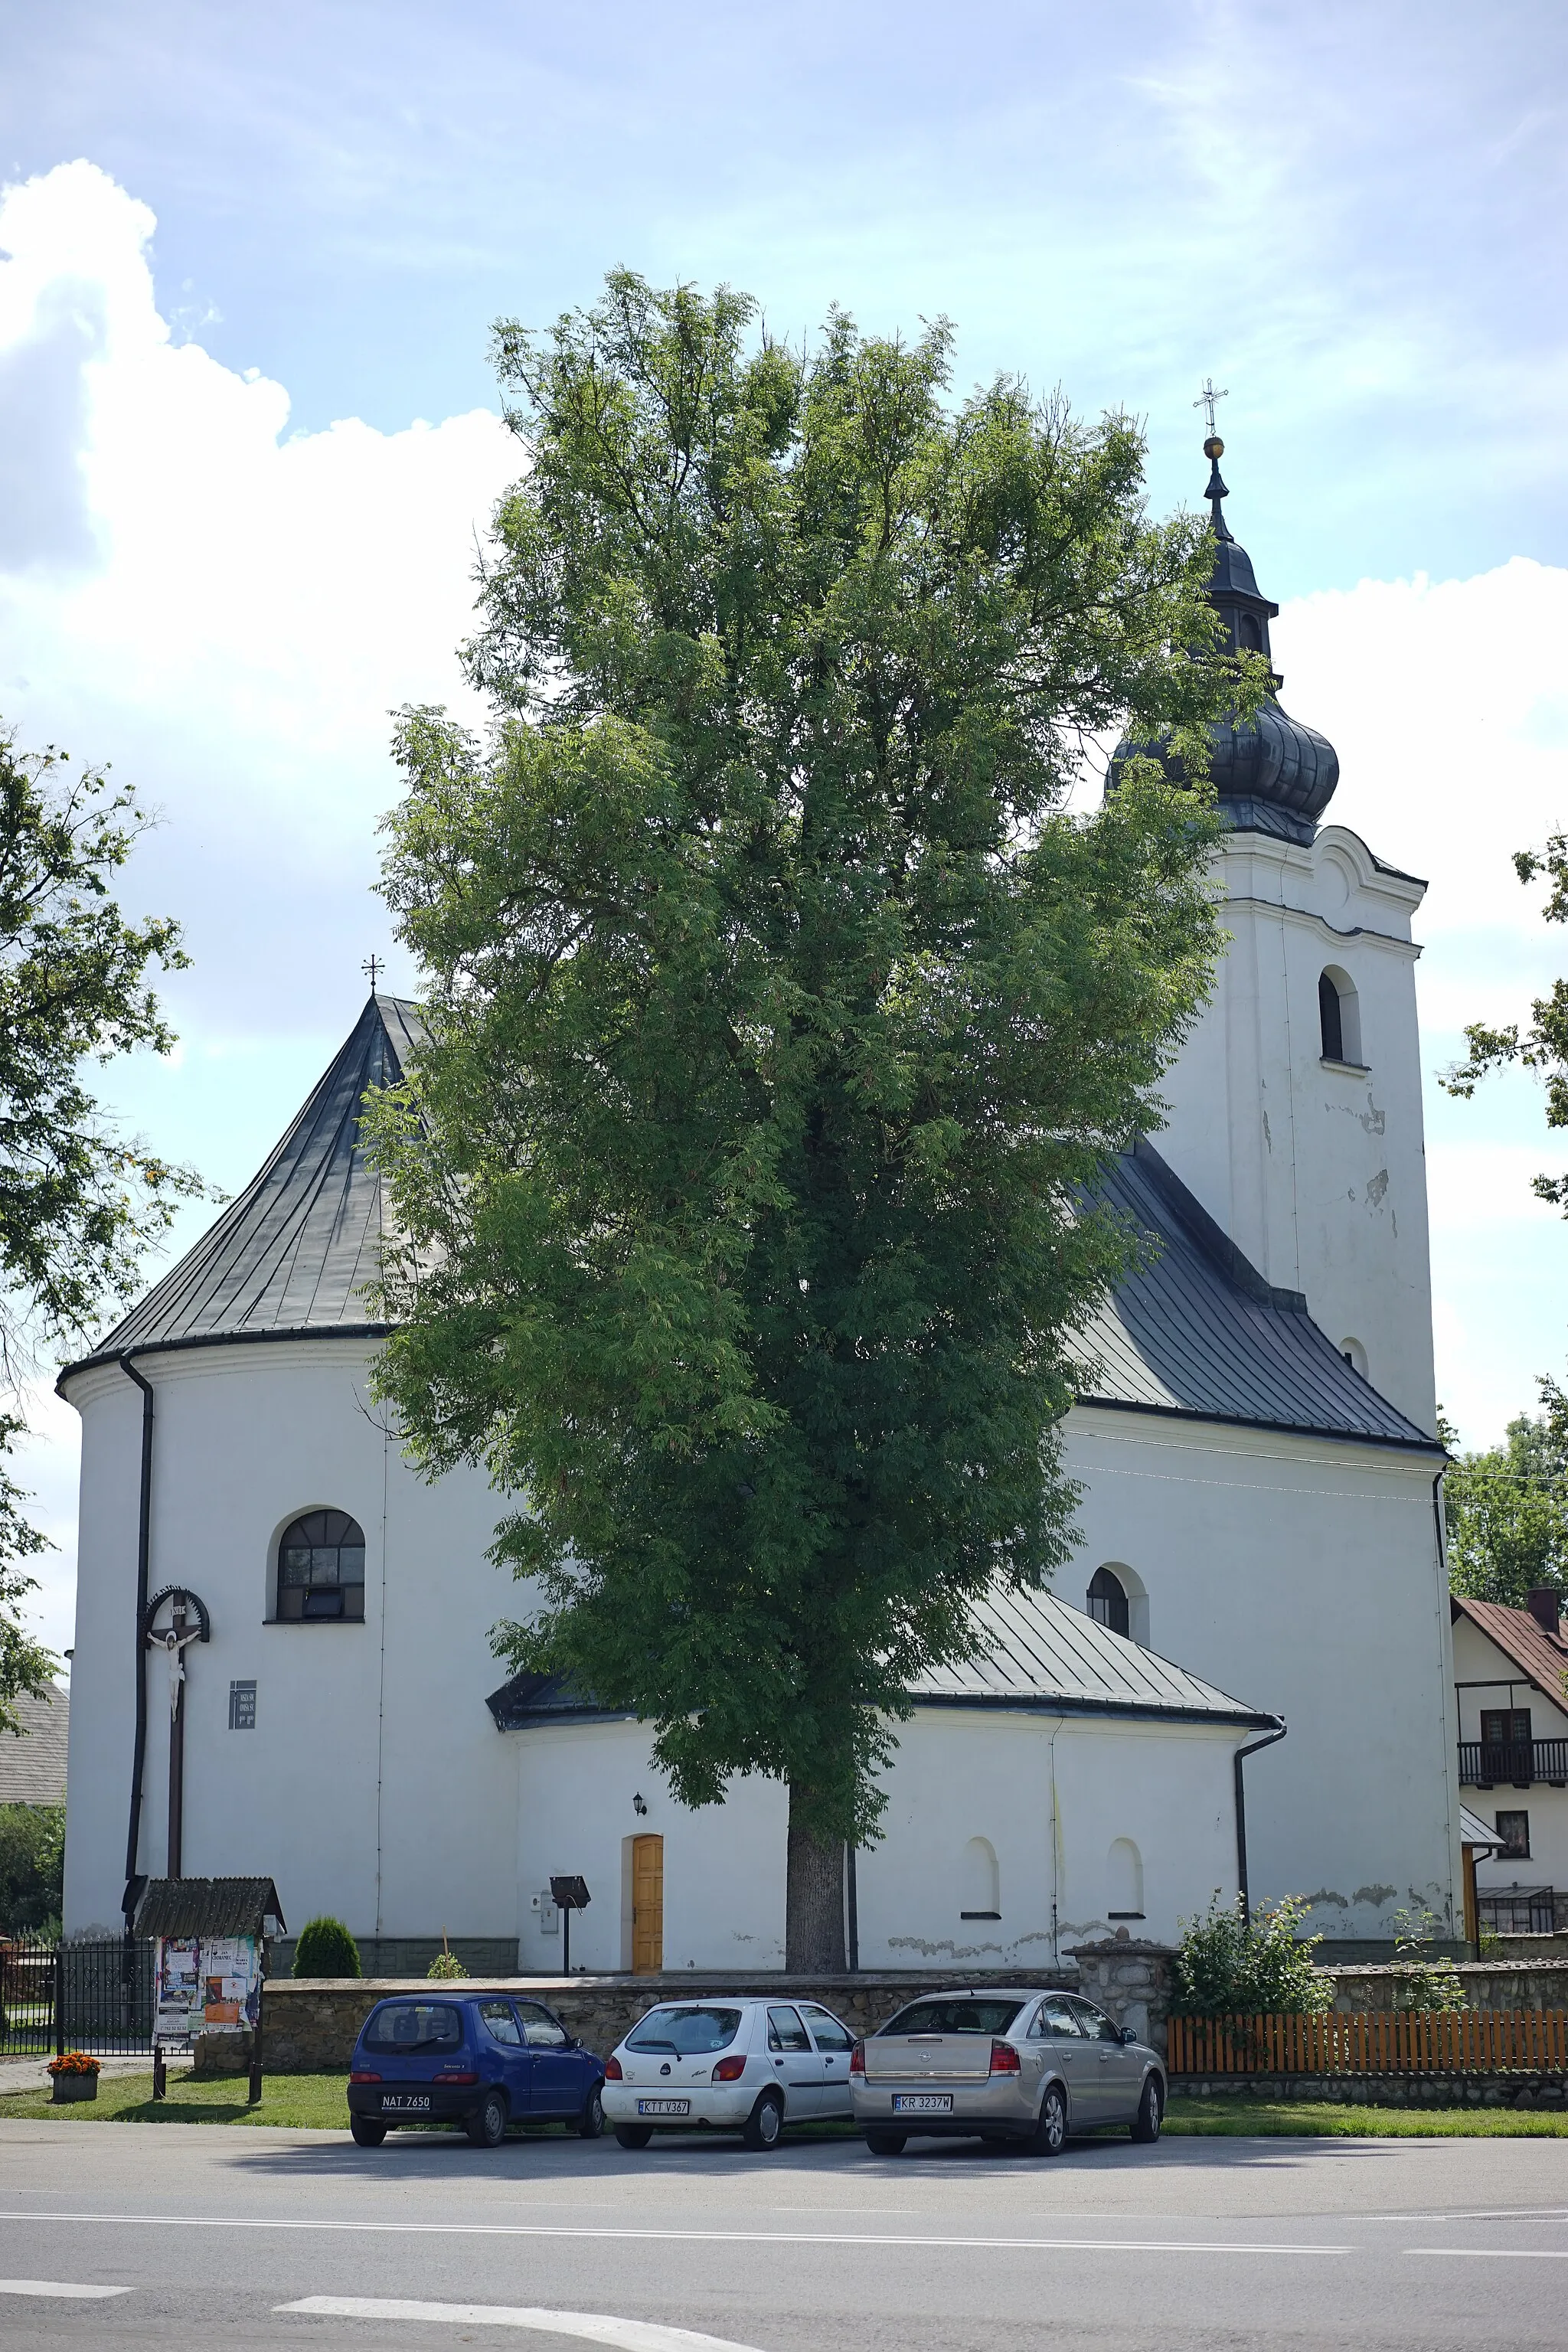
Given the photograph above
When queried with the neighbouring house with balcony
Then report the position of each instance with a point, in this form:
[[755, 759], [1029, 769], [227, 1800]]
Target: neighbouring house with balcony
[[1510, 1676]]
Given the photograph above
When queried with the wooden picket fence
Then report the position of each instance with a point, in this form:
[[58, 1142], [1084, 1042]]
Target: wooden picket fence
[[1390, 2042]]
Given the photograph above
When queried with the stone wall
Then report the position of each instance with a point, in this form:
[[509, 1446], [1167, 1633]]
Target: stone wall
[[1489, 1984], [1455, 2090], [311, 2024]]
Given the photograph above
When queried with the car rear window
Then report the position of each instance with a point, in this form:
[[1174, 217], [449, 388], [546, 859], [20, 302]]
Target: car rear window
[[689, 2033], [415, 2025], [953, 2017]]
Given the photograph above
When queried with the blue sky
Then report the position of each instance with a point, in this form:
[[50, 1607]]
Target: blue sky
[[248, 431]]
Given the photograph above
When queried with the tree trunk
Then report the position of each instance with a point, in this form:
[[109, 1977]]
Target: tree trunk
[[814, 1900]]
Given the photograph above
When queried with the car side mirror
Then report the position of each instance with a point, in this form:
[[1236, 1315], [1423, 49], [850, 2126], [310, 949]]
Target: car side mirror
[[1130, 2033]]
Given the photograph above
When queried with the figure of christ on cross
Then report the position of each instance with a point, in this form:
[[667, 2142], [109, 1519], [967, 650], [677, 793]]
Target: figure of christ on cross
[[175, 1640]]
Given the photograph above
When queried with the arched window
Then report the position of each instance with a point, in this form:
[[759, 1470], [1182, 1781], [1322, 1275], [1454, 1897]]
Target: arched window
[[982, 1881], [1354, 1355], [320, 1569], [1108, 1600], [1250, 633], [1124, 1877], [1339, 1017]]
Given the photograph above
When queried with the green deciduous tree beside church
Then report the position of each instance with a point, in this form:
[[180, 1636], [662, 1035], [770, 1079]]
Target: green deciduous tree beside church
[[79, 1201], [780, 1012]]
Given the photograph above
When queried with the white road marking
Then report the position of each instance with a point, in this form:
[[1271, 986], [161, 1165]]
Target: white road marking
[[1496, 2254], [60, 2287], [684, 2237], [589, 2326]]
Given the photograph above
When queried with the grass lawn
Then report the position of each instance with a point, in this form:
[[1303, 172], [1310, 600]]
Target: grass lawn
[[1236, 2118], [312, 2101]]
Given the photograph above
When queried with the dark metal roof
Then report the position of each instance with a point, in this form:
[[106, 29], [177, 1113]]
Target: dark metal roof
[[1040, 1654], [1198, 1332], [207, 1906], [294, 1251]]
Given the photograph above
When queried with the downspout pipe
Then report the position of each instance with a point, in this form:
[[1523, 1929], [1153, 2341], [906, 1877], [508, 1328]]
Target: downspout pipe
[[1239, 1758], [143, 1564]]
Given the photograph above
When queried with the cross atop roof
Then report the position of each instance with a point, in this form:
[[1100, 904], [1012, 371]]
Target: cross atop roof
[[1207, 398], [373, 968]]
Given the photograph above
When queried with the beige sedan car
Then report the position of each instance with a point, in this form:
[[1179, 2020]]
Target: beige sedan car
[[1028, 2067]]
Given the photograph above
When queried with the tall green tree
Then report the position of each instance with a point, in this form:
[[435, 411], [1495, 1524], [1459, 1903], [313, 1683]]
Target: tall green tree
[[79, 1202], [1541, 1046], [1506, 1509], [781, 1014]]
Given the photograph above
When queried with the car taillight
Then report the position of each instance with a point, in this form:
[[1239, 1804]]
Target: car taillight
[[857, 2058], [1004, 2059], [729, 2070], [613, 2070], [456, 2074], [360, 2075]]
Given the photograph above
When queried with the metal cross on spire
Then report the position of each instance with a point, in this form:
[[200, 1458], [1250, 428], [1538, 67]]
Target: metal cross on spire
[[1207, 398], [373, 968]]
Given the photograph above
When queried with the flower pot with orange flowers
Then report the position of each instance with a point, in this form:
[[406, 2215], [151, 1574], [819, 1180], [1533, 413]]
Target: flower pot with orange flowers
[[73, 2077]]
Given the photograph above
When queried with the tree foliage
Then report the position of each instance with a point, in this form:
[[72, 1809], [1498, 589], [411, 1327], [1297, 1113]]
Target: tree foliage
[[79, 1202], [1506, 1509], [1229, 1966], [324, 1948], [1541, 1046], [781, 1013], [32, 1867]]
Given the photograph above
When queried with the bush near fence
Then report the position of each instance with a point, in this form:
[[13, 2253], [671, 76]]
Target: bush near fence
[[1378, 2041]]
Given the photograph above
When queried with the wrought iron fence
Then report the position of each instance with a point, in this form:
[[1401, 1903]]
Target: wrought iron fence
[[76, 1996], [1512, 1763]]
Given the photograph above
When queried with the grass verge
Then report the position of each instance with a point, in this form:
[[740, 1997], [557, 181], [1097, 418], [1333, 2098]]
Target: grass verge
[[1229, 2119], [305, 2101]]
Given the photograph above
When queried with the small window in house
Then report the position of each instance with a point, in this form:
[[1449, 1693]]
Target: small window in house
[[1329, 1017], [1108, 1600], [1501, 1727], [1515, 1831], [320, 1569]]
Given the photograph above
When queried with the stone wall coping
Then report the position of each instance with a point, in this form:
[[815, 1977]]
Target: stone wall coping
[[757, 1986]]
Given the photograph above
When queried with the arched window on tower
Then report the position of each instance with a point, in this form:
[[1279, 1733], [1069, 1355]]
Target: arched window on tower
[[1339, 1017], [320, 1569], [1249, 631], [1108, 1600]]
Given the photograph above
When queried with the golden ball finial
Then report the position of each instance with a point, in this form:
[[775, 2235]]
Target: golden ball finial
[[1213, 447]]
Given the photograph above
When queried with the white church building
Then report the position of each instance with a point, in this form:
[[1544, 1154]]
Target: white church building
[[1259, 1571]]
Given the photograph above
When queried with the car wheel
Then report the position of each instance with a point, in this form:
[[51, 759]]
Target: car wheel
[[881, 2143], [1050, 2133], [634, 2135], [366, 2133], [487, 2127], [765, 2125], [1145, 2125], [591, 2122]]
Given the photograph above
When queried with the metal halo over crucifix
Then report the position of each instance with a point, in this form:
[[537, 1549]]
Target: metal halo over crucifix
[[174, 1640]]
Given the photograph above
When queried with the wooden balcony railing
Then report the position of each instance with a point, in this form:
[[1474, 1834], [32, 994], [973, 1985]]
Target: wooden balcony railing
[[1512, 1763], [1397, 2041]]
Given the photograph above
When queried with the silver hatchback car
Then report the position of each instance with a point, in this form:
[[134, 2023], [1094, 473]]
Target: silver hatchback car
[[1028, 2067]]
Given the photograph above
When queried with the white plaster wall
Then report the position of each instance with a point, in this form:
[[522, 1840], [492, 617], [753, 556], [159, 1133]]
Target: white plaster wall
[[1318, 1173], [1486, 1678], [959, 1774], [375, 1785], [1050, 1793], [1301, 1576]]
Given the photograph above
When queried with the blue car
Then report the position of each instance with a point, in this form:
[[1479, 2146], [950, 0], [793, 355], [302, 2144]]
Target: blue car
[[481, 2059]]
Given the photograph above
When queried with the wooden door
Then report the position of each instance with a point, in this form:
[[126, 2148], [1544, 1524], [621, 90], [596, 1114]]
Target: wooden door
[[647, 1906]]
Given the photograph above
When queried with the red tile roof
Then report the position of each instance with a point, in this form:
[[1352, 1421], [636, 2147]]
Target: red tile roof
[[1542, 1658]]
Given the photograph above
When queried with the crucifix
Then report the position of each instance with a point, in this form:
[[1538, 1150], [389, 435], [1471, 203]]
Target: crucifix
[[174, 1640], [373, 968], [1207, 398]]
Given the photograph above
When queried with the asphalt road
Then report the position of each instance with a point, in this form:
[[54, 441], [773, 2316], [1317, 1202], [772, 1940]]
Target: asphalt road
[[129, 2235]]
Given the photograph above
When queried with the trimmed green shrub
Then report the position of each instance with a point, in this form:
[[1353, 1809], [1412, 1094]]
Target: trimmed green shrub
[[1228, 1965], [326, 1949]]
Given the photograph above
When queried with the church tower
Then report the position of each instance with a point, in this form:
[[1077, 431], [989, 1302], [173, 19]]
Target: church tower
[[1294, 1107]]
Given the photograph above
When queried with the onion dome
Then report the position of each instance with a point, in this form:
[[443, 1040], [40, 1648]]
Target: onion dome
[[1271, 773]]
